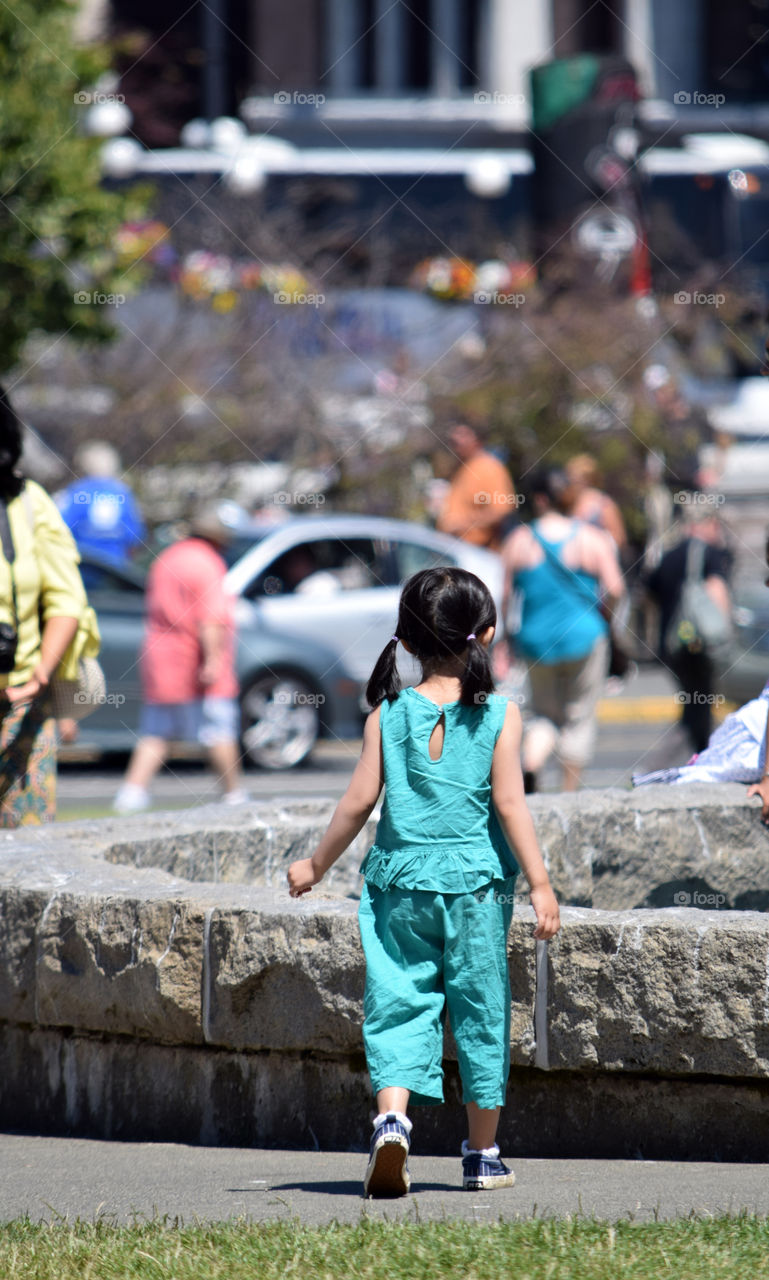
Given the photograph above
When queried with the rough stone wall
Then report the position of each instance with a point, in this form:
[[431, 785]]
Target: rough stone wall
[[613, 849], [129, 993]]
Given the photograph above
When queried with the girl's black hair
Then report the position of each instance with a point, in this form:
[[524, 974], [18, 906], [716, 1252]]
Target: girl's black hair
[[439, 609], [11, 483]]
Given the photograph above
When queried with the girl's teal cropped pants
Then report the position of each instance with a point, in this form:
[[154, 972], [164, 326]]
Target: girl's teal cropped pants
[[427, 955]]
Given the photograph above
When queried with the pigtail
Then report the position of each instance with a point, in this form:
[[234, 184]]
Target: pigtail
[[384, 681], [477, 681]]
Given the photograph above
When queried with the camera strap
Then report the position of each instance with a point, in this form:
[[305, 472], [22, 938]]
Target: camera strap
[[9, 553]]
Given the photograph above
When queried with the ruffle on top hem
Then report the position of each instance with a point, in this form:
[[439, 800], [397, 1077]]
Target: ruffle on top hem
[[458, 873]]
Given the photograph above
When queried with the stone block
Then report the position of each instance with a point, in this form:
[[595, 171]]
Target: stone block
[[677, 992], [286, 978], [20, 911], [122, 965]]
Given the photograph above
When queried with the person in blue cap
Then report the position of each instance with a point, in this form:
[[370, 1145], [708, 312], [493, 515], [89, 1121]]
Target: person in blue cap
[[100, 509]]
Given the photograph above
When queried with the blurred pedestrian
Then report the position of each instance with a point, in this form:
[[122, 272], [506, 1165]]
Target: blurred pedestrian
[[481, 497], [588, 502], [658, 520], [100, 508], [701, 554], [42, 600], [190, 690], [568, 578]]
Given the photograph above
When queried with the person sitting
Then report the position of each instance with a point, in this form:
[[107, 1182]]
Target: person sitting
[[736, 752]]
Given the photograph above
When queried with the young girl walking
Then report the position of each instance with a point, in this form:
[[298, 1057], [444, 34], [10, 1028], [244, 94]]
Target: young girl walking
[[439, 880]]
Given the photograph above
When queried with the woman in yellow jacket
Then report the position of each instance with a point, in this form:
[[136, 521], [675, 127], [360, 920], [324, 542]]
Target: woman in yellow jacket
[[42, 600]]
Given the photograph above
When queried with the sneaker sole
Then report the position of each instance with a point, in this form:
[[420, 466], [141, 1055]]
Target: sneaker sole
[[489, 1184], [387, 1174]]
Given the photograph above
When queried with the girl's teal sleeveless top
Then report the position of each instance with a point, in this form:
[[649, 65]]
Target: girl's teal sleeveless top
[[438, 829]]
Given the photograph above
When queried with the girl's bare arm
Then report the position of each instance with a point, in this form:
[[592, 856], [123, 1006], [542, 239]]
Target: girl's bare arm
[[510, 803], [349, 817]]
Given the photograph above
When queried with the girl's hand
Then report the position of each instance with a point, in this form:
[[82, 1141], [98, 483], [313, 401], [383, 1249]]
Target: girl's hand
[[761, 789], [301, 877], [545, 905]]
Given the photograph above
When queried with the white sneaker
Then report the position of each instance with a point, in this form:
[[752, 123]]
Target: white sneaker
[[236, 797], [131, 799]]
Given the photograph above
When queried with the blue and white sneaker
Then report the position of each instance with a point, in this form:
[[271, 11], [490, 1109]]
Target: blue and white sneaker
[[388, 1171], [483, 1170]]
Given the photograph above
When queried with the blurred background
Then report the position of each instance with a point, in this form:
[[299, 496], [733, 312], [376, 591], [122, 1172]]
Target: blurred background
[[269, 251]]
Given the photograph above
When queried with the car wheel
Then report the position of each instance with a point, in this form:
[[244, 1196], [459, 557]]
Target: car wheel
[[280, 720]]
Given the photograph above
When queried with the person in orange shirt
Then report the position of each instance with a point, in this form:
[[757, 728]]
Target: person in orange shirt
[[481, 497]]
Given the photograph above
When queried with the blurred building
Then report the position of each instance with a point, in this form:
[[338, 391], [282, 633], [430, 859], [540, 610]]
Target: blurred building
[[466, 61]]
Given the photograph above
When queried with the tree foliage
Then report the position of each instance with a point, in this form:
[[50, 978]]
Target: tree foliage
[[56, 221]]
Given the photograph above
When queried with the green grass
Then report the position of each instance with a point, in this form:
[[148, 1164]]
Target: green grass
[[81, 812], [539, 1249]]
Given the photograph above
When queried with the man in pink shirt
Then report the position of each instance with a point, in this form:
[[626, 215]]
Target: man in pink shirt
[[188, 664]]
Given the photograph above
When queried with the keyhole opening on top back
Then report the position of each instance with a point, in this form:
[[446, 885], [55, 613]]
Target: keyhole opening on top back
[[435, 745]]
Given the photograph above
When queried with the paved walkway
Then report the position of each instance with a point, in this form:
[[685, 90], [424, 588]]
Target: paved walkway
[[62, 1178]]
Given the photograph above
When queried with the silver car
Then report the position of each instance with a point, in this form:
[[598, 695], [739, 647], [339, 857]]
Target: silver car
[[337, 579]]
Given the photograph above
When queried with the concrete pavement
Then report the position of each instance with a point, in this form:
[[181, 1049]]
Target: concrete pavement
[[55, 1179]]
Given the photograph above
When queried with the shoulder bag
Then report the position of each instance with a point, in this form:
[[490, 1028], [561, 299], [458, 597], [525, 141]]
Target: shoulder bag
[[698, 624]]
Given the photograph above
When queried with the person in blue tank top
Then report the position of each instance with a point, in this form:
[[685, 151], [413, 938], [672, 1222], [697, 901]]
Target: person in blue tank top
[[567, 577], [439, 879]]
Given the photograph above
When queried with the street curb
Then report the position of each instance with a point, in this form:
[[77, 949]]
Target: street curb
[[653, 709]]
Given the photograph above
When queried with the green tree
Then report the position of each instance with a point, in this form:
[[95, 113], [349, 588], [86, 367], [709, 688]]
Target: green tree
[[56, 221]]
